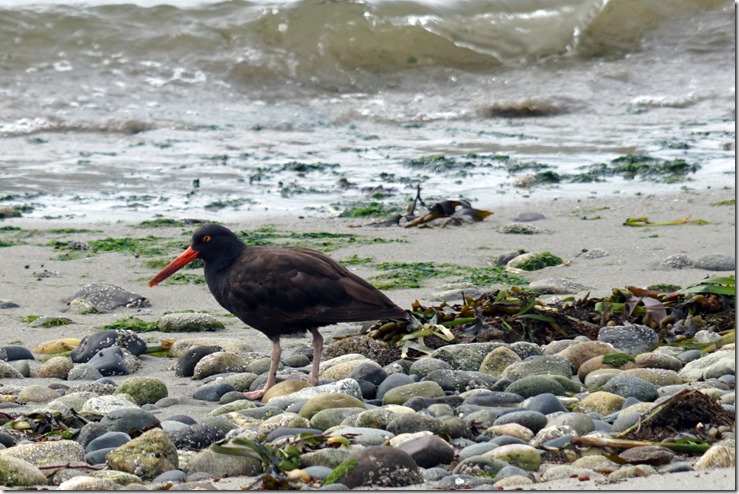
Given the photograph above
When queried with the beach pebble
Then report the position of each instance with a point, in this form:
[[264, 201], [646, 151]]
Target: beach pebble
[[234, 345], [497, 360], [37, 393], [17, 472], [631, 386], [535, 385], [326, 457], [676, 261], [423, 367], [710, 366], [658, 361], [369, 371], [327, 401], [84, 372], [580, 352], [47, 453], [51, 321], [93, 343], [519, 455], [459, 380], [196, 437], [7, 371], [186, 362], [87, 483], [129, 420], [363, 435], [393, 381], [212, 391], [532, 420], [647, 455], [480, 466], [145, 456], [428, 451], [519, 228], [219, 363], [109, 297], [110, 362], [717, 456], [556, 286], [188, 322], [8, 304], [601, 402], [633, 339], [592, 254], [716, 262], [378, 467], [553, 364], [16, 352], [465, 356], [632, 471], [143, 390]]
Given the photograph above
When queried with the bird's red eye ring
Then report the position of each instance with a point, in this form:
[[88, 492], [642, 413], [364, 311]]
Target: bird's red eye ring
[[206, 238]]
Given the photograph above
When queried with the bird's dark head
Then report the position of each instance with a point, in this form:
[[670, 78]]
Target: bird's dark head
[[213, 244]]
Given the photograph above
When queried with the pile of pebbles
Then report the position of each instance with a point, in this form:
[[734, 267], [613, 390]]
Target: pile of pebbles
[[469, 416]]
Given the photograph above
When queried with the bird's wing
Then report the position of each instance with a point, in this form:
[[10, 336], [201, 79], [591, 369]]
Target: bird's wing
[[302, 287]]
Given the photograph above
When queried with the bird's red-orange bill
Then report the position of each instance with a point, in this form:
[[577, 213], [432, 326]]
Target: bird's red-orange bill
[[183, 260]]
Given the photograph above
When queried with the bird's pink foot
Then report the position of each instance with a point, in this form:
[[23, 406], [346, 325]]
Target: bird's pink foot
[[255, 395]]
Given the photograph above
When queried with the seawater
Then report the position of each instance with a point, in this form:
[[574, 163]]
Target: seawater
[[228, 110]]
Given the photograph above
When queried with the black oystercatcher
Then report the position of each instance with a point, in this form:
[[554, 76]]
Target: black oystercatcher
[[281, 290]]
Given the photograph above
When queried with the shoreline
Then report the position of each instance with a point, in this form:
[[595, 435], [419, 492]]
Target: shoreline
[[34, 278]]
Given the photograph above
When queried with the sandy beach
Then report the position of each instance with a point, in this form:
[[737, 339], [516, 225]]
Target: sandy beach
[[40, 283]]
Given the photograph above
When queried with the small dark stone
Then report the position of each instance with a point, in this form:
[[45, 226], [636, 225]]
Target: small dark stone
[[7, 440], [545, 403], [132, 421], [17, 352], [196, 437], [90, 431], [186, 363], [392, 381], [510, 471], [534, 421], [647, 455], [428, 451], [7, 304], [184, 419], [369, 390], [494, 398], [111, 439], [97, 457], [169, 476], [369, 372], [628, 386], [212, 391], [459, 380], [506, 439], [110, 362], [408, 423], [93, 343], [529, 216], [419, 403]]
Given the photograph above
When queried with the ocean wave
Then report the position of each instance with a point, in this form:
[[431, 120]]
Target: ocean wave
[[322, 42]]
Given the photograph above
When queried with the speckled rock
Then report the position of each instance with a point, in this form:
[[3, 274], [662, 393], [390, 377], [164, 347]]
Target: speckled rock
[[37, 393], [189, 359], [286, 419], [87, 483], [234, 345], [110, 362], [519, 455], [465, 356], [676, 261], [716, 262], [423, 367], [658, 377], [647, 455], [712, 365], [362, 435], [581, 352], [17, 472], [7, 371], [597, 363], [84, 372], [223, 465], [656, 360], [46, 453], [143, 389], [56, 367], [497, 360], [219, 363], [553, 364], [93, 343], [379, 466], [717, 456], [102, 405], [601, 402], [346, 386], [129, 420], [535, 385], [428, 450], [633, 339], [188, 322], [556, 286], [331, 417], [146, 456], [108, 297], [632, 471], [631, 386]]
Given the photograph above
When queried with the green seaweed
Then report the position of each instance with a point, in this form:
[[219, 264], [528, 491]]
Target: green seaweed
[[728, 202], [147, 246], [30, 318], [5, 243], [411, 275], [372, 209], [630, 166], [185, 279], [342, 469], [355, 260], [617, 360], [132, 323], [162, 222], [540, 261]]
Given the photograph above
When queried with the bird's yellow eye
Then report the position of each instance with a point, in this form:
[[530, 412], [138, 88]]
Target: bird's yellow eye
[[206, 238]]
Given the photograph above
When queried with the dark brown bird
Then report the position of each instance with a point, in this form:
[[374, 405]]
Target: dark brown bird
[[281, 290]]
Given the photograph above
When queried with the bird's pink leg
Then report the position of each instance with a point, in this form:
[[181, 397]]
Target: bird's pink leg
[[317, 349], [272, 376]]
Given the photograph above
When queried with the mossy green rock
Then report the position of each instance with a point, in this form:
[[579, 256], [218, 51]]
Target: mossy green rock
[[496, 361], [535, 385], [518, 455], [329, 400], [401, 394], [333, 416], [143, 390], [46, 453], [51, 322], [145, 456], [15, 472]]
